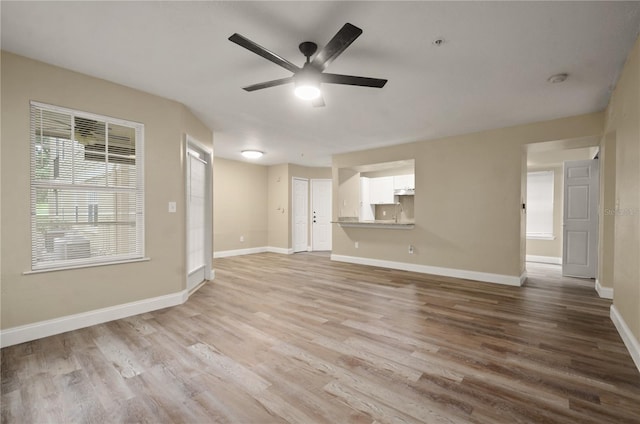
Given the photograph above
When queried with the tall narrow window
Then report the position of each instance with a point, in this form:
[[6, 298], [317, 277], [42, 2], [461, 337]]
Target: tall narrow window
[[540, 205], [87, 193]]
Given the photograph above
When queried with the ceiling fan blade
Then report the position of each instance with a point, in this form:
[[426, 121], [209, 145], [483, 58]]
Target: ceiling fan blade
[[268, 84], [261, 51], [347, 34], [353, 80], [319, 102]]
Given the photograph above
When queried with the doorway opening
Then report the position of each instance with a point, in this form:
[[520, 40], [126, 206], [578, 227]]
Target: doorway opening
[[560, 194], [198, 216]]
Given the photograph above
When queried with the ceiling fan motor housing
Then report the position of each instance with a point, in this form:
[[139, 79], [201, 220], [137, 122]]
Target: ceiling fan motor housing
[[308, 48]]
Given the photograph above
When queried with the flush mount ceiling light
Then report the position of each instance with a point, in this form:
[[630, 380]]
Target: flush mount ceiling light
[[557, 78], [252, 154]]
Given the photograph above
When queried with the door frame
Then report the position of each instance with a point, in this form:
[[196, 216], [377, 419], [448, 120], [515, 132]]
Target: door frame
[[206, 153], [293, 215], [311, 200]]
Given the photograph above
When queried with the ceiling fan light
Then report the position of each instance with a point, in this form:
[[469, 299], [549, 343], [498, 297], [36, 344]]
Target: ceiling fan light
[[307, 91], [252, 154]]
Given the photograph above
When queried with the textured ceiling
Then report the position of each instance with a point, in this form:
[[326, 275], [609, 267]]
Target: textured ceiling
[[490, 72]]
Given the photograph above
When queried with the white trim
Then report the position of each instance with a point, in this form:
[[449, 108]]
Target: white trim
[[541, 237], [510, 280], [604, 292], [523, 277], [281, 250], [239, 252], [545, 259], [38, 330], [632, 344], [91, 265], [251, 251]]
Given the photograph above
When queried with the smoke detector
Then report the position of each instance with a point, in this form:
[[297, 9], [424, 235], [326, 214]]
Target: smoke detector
[[557, 78]]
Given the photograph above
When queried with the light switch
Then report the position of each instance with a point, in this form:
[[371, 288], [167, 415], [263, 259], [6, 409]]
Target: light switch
[[172, 207]]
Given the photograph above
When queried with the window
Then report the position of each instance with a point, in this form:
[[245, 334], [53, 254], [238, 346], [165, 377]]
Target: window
[[87, 193], [540, 205]]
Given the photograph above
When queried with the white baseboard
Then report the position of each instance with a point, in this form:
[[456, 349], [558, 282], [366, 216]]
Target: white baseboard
[[510, 280], [251, 251], [238, 252], [281, 250], [604, 292], [544, 259], [523, 277], [38, 330], [632, 344]]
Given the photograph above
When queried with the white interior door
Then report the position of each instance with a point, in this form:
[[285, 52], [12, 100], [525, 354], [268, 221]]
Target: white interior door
[[580, 218], [198, 213], [321, 210], [300, 215]]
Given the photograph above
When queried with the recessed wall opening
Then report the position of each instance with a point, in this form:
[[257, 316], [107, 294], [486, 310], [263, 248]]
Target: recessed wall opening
[[545, 209]]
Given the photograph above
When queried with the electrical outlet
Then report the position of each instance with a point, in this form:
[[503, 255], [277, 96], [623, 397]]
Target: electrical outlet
[[411, 249], [384, 213], [241, 239], [357, 245], [172, 207]]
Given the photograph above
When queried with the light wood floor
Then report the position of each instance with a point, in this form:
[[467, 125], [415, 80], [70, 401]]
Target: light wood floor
[[300, 339]]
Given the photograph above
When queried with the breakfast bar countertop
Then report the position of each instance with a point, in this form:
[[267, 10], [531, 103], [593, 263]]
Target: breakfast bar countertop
[[378, 223]]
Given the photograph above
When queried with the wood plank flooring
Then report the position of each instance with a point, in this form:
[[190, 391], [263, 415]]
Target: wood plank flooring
[[300, 339]]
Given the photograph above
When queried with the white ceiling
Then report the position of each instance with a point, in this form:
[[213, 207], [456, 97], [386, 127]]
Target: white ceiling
[[490, 72]]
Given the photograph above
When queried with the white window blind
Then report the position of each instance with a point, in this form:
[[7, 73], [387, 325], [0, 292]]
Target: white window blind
[[87, 191], [540, 204]]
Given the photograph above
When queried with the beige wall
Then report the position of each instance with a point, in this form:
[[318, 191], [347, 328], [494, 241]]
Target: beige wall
[[468, 198], [606, 221], [310, 173], [623, 118], [239, 205], [36, 297], [347, 185], [255, 201], [278, 213], [552, 248]]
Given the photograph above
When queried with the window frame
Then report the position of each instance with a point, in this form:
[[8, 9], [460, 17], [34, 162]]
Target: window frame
[[542, 235], [39, 265]]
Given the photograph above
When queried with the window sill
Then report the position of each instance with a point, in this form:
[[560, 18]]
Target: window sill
[[541, 237], [66, 268]]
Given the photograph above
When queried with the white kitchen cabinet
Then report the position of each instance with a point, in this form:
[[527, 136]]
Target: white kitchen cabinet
[[404, 182], [381, 191]]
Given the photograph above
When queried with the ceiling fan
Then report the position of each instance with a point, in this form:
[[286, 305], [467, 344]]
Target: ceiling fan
[[307, 79]]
